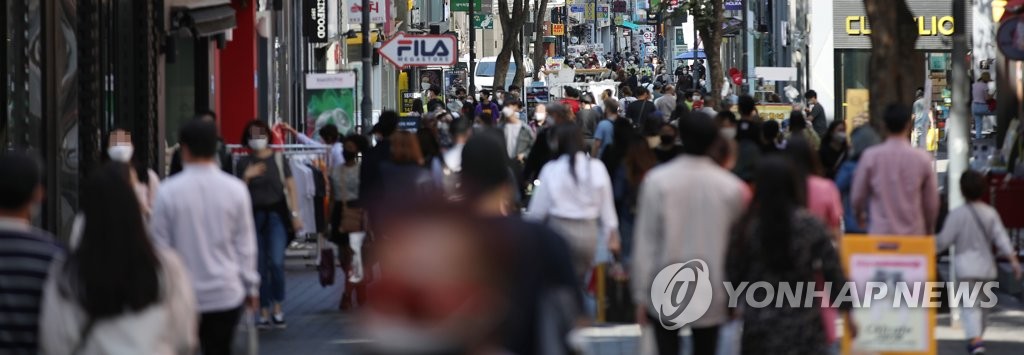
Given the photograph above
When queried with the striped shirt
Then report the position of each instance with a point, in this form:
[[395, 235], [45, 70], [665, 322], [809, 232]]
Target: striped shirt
[[25, 256]]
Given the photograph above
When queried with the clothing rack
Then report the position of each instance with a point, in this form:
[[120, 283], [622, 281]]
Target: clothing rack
[[306, 247]]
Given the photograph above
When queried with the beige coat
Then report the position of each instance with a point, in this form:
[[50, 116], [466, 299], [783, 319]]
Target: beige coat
[[685, 211]]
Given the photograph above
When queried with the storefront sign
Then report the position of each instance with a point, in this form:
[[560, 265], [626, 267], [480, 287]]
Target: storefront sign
[[934, 18], [858, 25], [557, 29], [331, 99], [463, 6], [774, 111], [407, 99], [377, 11], [419, 50], [314, 20], [733, 5], [483, 21], [619, 7]]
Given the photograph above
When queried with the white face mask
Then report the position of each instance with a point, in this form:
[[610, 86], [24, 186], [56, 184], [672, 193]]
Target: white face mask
[[258, 143], [696, 98], [425, 86], [540, 116], [508, 112], [728, 132], [121, 153]]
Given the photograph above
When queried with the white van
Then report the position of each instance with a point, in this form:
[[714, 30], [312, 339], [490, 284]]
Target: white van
[[484, 78]]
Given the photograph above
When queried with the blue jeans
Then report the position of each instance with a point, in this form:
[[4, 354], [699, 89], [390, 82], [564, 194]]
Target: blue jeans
[[272, 240], [980, 110]]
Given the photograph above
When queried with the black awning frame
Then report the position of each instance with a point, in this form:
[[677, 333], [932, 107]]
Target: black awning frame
[[203, 22]]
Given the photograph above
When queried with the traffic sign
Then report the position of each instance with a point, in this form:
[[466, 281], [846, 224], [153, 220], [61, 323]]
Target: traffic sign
[[420, 50], [576, 8], [463, 6], [557, 29]]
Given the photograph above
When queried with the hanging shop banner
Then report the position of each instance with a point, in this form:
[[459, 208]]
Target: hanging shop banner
[[331, 99], [934, 19], [378, 12], [557, 29], [893, 322], [463, 6], [733, 5], [314, 20]]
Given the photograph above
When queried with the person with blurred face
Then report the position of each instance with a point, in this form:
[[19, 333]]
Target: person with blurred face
[[21, 193], [268, 174], [544, 293], [574, 197], [686, 210], [206, 216], [145, 181], [88, 309]]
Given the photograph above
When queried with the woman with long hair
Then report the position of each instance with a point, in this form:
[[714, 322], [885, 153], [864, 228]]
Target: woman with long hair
[[117, 293], [833, 148], [268, 174], [798, 127], [823, 199], [575, 198], [405, 174], [626, 179], [779, 241]]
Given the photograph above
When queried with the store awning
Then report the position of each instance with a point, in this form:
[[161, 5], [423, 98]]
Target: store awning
[[550, 39], [202, 18], [630, 25]]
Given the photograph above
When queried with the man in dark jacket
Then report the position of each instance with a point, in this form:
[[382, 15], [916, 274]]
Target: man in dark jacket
[[816, 113], [543, 293]]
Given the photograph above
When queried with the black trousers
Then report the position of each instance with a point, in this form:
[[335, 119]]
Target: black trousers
[[217, 331], [705, 340]]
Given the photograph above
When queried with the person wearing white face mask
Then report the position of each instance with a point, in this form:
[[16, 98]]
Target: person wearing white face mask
[[518, 137], [144, 180], [540, 118], [272, 190]]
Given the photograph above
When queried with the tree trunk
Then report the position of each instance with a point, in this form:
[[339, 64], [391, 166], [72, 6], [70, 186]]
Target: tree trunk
[[896, 69], [511, 26], [538, 42], [711, 35]]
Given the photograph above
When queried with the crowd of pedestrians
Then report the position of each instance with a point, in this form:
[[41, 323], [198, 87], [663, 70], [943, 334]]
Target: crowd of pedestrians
[[481, 232]]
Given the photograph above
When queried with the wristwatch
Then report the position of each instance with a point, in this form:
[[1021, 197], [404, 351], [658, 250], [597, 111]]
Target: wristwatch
[[295, 215]]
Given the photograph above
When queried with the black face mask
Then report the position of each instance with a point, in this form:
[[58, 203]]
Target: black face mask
[[349, 156], [667, 139]]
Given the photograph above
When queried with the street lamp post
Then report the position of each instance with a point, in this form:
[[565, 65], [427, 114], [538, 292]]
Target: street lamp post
[[472, 51], [366, 108]]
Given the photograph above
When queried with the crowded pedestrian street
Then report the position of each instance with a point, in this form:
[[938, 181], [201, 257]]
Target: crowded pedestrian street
[[512, 177]]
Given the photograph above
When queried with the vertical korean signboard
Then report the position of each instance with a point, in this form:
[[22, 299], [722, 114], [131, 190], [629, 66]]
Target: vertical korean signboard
[[331, 99], [314, 20]]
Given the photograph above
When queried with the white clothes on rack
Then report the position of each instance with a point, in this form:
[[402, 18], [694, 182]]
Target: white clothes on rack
[[305, 188]]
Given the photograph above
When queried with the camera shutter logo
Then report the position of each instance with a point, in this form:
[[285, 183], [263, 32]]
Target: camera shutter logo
[[681, 293]]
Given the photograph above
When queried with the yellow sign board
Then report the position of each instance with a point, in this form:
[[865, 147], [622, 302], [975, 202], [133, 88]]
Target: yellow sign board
[[557, 29], [882, 327], [926, 25], [776, 112]]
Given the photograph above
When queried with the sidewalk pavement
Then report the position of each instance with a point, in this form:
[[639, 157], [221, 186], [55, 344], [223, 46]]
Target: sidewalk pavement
[[315, 326]]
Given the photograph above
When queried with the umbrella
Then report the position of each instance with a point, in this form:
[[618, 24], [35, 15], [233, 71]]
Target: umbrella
[[690, 55]]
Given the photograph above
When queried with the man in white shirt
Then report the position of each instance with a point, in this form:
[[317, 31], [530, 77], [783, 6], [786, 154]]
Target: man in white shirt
[[206, 216], [685, 211]]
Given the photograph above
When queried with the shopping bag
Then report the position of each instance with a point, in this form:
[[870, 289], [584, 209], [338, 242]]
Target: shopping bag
[[326, 267], [933, 139], [246, 340], [355, 241]]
